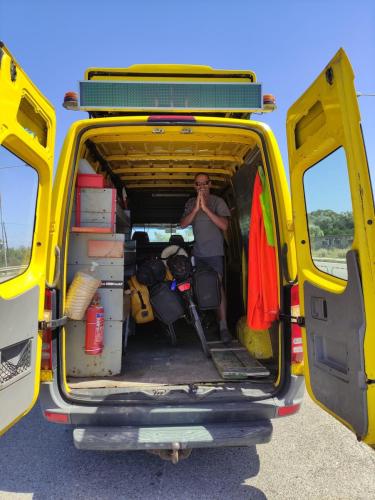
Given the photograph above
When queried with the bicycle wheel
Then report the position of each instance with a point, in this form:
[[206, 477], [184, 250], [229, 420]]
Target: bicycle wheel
[[198, 328], [172, 335]]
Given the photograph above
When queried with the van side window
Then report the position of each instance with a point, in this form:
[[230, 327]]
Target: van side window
[[329, 213], [18, 195]]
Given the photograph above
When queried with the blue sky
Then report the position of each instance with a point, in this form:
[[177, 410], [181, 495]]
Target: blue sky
[[334, 192], [17, 205], [286, 43]]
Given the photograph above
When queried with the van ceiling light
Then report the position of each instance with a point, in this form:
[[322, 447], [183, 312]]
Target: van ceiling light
[[167, 96]]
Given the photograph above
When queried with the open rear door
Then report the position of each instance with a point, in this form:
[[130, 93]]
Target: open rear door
[[27, 134], [334, 221]]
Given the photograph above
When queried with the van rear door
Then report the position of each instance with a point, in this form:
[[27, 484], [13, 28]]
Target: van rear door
[[27, 135], [333, 213]]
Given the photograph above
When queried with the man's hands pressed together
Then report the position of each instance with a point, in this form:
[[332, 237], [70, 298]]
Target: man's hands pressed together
[[220, 222], [197, 206], [201, 203]]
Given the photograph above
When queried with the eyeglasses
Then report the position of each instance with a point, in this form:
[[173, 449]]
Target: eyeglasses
[[200, 184]]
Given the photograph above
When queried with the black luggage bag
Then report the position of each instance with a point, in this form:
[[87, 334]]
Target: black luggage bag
[[166, 304], [206, 286], [151, 271]]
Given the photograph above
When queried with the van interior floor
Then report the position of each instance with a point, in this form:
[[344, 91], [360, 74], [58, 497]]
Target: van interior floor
[[150, 359]]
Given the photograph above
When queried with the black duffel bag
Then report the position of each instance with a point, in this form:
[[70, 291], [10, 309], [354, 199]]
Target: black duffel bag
[[151, 271], [166, 304], [180, 267], [206, 286]]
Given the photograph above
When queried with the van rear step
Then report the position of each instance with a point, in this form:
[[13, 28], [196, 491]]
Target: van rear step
[[234, 362], [177, 437]]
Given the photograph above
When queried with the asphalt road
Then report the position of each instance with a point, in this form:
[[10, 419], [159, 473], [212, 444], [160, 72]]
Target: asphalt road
[[310, 456]]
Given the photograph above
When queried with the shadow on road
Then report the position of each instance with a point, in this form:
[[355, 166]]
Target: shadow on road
[[40, 459]]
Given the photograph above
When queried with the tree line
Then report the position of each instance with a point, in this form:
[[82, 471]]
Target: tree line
[[330, 223], [14, 256]]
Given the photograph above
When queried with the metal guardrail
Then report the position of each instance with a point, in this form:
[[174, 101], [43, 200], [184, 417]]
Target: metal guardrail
[[335, 267], [330, 259], [6, 272]]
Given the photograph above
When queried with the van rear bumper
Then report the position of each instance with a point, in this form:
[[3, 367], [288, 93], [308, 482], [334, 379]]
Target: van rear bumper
[[142, 415], [176, 437]]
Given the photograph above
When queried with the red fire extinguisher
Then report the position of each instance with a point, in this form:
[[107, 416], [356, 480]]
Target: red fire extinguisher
[[94, 327]]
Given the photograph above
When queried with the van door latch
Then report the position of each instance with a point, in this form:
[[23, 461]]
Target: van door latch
[[53, 324], [298, 320]]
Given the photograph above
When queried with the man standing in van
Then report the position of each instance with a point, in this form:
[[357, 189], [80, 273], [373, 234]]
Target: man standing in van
[[208, 214]]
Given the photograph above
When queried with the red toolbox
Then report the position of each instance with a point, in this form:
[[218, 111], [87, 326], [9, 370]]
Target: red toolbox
[[90, 181]]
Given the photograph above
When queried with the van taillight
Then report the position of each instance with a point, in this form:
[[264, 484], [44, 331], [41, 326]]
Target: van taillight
[[46, 363], [283, 411], [296, 340], [56, 417]]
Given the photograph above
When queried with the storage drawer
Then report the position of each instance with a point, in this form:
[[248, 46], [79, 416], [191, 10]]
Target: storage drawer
[[94, 208], [106, 249]]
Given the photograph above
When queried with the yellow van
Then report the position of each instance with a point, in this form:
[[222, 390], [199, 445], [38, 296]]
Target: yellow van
[[151, 129]]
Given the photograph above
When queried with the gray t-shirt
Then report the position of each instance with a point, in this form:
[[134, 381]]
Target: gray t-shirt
[[208, 237]]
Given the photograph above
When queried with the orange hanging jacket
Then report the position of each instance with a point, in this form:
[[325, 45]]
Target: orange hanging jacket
[[262, 297]]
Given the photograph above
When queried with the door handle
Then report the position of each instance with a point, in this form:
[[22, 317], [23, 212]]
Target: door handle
[[56, 277], [319, 308]]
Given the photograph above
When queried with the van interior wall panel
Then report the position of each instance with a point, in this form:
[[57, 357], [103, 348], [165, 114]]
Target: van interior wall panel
[[335, 325], [233, 267], [243, 185], [274, 332]]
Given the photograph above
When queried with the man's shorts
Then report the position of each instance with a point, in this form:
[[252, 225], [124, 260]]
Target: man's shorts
[[216, 262]]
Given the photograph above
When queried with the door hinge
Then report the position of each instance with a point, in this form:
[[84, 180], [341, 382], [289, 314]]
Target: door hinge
[[299, 320], [54, 323]]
